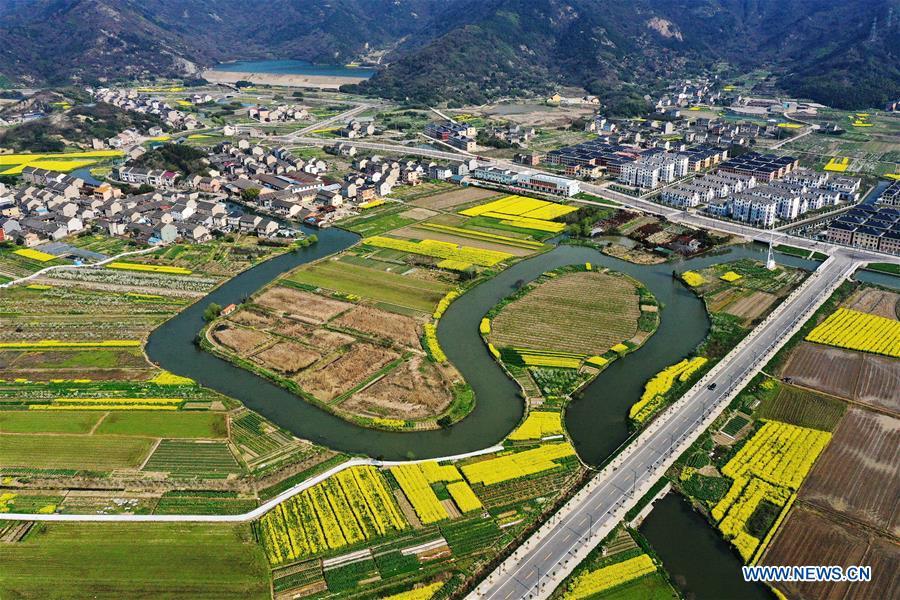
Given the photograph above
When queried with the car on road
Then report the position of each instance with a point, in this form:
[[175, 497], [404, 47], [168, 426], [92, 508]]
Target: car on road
[[711, 386]]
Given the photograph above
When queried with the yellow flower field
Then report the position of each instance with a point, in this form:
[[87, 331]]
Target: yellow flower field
[[484, 327], [655, 390], [856, 330], [538, 424], [444, 303], [453, 265], [693, 279], [418, 491], [127, 266], [464, 497], [731, 277], [437, 249], [350, 507], [838, 165], [779, 453], [516, 465], [419, 593], [371, 203], [431, 341], [594, 582], [34, 254]]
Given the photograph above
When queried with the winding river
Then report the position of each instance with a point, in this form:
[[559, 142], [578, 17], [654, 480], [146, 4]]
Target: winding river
[[596, 419]]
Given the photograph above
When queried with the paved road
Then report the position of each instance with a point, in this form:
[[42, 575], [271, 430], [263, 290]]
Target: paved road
[[239, 518], [674, 215], [538, 566]]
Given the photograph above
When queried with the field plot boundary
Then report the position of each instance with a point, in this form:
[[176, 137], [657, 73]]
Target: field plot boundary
[[258, 511]]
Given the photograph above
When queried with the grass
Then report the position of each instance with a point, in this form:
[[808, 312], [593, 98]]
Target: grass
[[65, 451], [24, 421], [649, 587], [801, 407], [889, 268], [372, 283], [125, 560], [166, 425]]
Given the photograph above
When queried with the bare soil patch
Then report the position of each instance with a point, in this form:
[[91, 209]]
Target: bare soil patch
[[864, 378], [323, 339], [857, 475], [879, 383], [239, 339], [419, 214], [751, 306], [808, 538], [831, 370], [302, 305], [380, 323], [584, 313], [875, 302], [414, 390], [454, 198], [252, 318], [346, 372], [287, 357]]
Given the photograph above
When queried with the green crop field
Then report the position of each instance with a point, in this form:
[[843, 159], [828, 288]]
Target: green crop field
[[126, 560], [801, 407], [165, 424], [371, 283], [384, 220], [63, 451], [193, 459], [584, 313], [24, 421]]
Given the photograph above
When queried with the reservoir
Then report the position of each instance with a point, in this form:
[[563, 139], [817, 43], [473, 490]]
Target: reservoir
[[294, 67]]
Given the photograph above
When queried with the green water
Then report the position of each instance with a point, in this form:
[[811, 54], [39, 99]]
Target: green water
[[701, 564]]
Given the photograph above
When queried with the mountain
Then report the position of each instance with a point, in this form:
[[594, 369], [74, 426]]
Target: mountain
[[60, 41], [843, 54]]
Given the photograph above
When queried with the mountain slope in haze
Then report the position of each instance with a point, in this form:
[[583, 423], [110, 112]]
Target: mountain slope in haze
[[844, 54], [71, 40]]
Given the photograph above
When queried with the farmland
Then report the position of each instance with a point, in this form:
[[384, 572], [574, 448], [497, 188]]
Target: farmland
[[380, 531], [64, 451], [412, 292], [618, 568], [864, 450], [810, 537], [152, 560], [864, 378], [355, 359], [583, 313]]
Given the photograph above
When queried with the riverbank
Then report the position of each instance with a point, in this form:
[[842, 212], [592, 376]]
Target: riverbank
[[327, 82]]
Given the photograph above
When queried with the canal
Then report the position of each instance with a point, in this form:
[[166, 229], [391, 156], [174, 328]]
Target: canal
[[596, 419]]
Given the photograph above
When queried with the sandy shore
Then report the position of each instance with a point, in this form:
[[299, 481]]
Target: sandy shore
[[310, 81]]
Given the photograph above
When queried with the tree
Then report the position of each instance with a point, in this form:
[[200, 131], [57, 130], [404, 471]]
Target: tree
[[212, 311], [250, 194]]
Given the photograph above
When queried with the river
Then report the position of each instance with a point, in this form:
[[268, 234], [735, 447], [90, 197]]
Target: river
[[701, 564], [596, 419]]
